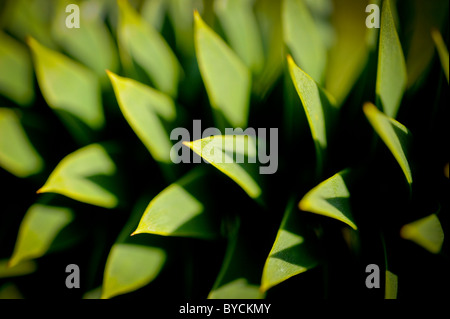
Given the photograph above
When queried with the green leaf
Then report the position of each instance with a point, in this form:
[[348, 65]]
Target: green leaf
[[426, 232], [349, 53], [291, 253], [303, 38], [17, 154], [24, 268], [218, 150], [268, 13], [154, 12], [182, 19], [395, 135], [181, 210], [331, 198], [10, 291], [391, 73], [241, 29], [144, 108], [141, 42], [318, 106], [69, 88], [92, 43], [238, 276], [38, 229], [442, 50], [227, 79], [24, 18], [16, 80], [86, 175], [391, 285], [130, 267]]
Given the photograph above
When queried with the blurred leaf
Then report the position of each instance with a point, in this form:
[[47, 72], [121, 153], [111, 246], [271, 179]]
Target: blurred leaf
[[24, 18], [92, 43], [331, 198], [391, 73], [426, 15], [141, 42], [180, 14], [303, 39], [69, 88], [442, 50], [227, 79], [391, 285], [16, 71], [154, 12], [318, 105], [24, 268], [236, 279], [349, 53], [38, 229], [291, 253], [241, 29], [95, 293], [144, 108], [426, 232], [10, 291], [268, 13], [17, 154], [86, 175], [130, 267], [180, 210], [395, 135], [218, 150]]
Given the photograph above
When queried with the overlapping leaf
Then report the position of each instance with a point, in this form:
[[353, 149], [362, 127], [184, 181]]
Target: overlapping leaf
[[391, 73], [291, 253], [237, 280], [223, 72], [38, 229], [181, 210], [17, 154], [69, 88], [16, 71], [303, 39], [395, 135], [133, 262], [140, 42], [331, 198], [144, 108], [86, 175], [426, 232], [219, 150]]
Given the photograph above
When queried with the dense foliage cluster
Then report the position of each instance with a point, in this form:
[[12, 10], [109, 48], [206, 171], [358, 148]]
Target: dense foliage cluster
[[91, 175]]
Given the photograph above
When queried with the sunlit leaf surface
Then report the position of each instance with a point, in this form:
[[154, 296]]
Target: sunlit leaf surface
[[38, 229], [227, 79], [330, 198], [86, 175], [291, 253], [391, 73], [144, 108], [395, 135], [16, 72], [426, 232], [17, 154]]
